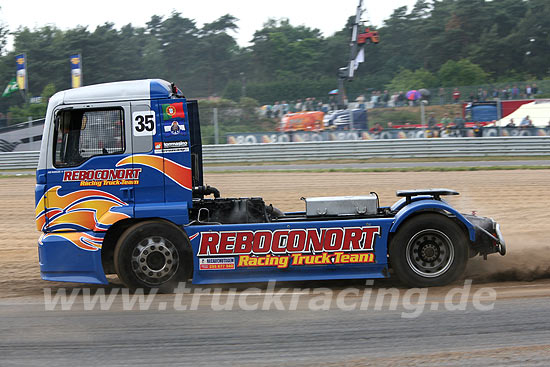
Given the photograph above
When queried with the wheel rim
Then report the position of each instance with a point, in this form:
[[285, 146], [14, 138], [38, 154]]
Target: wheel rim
[[155, 260], [430, 253]]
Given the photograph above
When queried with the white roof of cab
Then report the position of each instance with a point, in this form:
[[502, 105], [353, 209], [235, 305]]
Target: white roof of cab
[[132, 90]]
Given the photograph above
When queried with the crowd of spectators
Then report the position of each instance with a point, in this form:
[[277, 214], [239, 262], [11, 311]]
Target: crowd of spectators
[[377, 98], [385, 98], [281, 108]]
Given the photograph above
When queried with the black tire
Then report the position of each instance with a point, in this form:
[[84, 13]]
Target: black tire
[[429, 250], [153, 254]]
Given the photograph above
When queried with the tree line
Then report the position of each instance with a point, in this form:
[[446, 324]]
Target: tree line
[[436, 43]]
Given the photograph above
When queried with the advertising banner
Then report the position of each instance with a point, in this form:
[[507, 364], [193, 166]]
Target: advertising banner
[[21, 71], [76, 70], [345, 135]]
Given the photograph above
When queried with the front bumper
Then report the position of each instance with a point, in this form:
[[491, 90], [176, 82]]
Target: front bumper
[[71, 257], [488, 237]]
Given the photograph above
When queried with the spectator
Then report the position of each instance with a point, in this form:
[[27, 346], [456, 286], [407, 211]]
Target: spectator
[[431, 132], [376, 129], [511, 123], [268, 111], [385, 99], [441, 95], [458, 121], [495, 93], [515, 92], [505, 93], [456, 96], [431, 121], [480, 95], [390, 125], [374, 99], [401, 99], [276, 109], [535, 90], [284, 108], [393, 100], [477, 130], [360, 101], [333, 105], [526, 122], [459, 124], [528, 91], [510, 90], [298, 106], [445, 121]]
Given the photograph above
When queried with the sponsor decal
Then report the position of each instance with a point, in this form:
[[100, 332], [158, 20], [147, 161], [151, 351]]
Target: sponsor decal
[[217, 263], [292, 247], [174, 128], [103, 177], [173, 111], [176, 146]]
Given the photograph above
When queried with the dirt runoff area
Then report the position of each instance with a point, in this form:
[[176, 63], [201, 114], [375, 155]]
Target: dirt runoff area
[[517, 199]]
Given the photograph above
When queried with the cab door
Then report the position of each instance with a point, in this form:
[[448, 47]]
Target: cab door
[[147, 159], [86, 187], [177, 157]]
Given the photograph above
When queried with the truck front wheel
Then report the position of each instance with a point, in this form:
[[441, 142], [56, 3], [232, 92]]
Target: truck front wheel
[[153, 254], [429, 250]]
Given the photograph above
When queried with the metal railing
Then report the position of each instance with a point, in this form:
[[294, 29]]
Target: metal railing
[[365, 149], [339, 150]]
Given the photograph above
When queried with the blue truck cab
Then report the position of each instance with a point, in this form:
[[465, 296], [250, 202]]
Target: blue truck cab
[[119, 190]]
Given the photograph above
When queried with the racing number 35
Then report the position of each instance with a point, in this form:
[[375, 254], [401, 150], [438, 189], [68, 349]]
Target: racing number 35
[[144, 123]]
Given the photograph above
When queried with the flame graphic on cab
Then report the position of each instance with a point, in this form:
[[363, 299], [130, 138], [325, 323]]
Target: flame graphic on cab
[[175, 171], [82, 210], [81, 240]]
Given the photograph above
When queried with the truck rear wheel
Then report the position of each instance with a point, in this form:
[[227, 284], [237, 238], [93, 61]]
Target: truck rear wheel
[[153, 254], [429, 250]]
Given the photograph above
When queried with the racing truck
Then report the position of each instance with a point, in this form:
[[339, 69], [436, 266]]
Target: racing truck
[[120, 190]]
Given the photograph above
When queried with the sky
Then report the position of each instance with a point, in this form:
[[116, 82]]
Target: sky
[[328, 16]]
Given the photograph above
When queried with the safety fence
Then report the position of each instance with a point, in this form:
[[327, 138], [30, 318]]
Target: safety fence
[[348, 150]]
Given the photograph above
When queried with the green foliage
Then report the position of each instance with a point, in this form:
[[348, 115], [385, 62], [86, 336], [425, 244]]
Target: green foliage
[[27, 112], [32, 111], [461, 72], [407, 80], [434, 44], [48, 91]]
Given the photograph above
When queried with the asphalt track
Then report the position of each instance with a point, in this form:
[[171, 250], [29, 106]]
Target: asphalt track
[[515, 332]]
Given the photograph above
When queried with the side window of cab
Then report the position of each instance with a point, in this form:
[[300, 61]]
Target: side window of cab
[[84, 133]]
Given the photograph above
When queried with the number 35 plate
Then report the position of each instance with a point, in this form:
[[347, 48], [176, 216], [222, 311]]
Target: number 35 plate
[[144, 123]]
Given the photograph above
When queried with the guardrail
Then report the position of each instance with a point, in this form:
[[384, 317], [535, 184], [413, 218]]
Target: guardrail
[[365, 149], [18, 160], [361, 149]]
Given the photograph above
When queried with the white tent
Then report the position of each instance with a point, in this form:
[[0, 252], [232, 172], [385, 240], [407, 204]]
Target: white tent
[[538, 111]]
